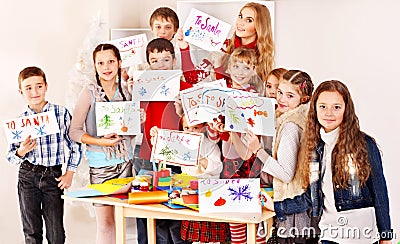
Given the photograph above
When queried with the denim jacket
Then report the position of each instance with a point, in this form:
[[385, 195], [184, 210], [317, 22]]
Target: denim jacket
[[373, 194]]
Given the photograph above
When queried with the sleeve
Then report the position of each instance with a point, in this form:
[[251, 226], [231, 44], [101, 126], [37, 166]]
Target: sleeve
[[11, 154], [213, 155], [79, 115], [213, 135], [284, 166], [190, 72], [75, 150], [378, 189]]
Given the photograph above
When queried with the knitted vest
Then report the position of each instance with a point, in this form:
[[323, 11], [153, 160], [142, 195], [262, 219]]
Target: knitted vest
[[294, 188]]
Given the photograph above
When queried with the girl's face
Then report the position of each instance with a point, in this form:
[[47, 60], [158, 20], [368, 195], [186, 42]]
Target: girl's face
[[330, 110], [107, 65], [288, 97], [195, 128], [240, 73], [245, 25], [272, 86], [161, 60], [163, 28]]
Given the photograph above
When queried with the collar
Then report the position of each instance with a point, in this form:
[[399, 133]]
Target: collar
[[238, 43], [330, 138], [44, 109]]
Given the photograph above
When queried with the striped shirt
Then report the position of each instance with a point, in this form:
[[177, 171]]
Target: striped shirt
[[52, 149]]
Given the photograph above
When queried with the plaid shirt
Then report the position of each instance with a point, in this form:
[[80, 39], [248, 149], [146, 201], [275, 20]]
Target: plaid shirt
[[50, 149]]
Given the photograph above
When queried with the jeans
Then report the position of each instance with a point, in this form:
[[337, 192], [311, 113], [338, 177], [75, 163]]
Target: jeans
[[167, 231], [39, 197]]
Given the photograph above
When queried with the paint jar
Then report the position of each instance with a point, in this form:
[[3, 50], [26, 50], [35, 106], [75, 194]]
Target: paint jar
[[144, 186], [135, 186]]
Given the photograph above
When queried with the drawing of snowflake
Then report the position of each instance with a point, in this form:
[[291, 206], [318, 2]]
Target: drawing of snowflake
[[142, 91], [187, 156], [198, 35], [17, 134], [40, 131], [239, 192], [164, 90]]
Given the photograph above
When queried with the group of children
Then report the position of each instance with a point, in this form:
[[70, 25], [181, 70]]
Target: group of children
[[320, 164]]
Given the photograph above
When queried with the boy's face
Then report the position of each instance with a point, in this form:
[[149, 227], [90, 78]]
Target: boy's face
[[163, 28], [161, 60], [34, 89]]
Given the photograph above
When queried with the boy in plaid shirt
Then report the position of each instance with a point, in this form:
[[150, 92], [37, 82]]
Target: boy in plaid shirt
[[40, 178]]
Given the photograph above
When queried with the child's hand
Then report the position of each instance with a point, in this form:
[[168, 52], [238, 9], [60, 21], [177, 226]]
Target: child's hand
[[153, 134], [26, 146], [178, 107], [142, 116], [203, 162], [266, 201], [110, 140], [124, 75], [251, 141], [130, 82], [218, 126], [65, 180], [216, 58], [179, 39]]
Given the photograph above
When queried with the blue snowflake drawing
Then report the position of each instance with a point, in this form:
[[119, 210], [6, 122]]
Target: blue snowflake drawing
[[41, 130], [187, 156], [142, 91], [16, 134], [240, 192], [164, 90]]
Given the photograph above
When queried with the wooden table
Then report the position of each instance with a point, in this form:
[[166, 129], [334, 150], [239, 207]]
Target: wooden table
[[158, 211]]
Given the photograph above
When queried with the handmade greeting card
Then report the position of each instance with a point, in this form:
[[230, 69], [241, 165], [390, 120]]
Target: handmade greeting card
[[122, 118], [156, 85], [177, 147], [229, 195], [205, 31], [37, 125], [212, 103], [253, 113], [191, 99], [132, 49]]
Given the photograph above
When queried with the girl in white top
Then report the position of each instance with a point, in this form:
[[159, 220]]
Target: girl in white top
[[349, 172], [210, 166]]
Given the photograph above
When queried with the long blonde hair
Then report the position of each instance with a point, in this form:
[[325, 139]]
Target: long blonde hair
[[265, 43]]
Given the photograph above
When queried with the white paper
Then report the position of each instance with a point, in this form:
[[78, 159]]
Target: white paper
[[122, 118], [132, 49], [37, 125], [229, 195], [177, 147], [156, 85], [205, 31], [253, 113]]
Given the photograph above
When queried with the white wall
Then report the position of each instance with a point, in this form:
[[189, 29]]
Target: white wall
[[47, 34], [353, 41]]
